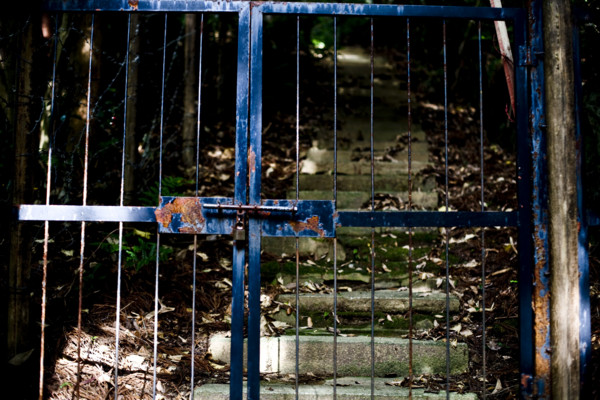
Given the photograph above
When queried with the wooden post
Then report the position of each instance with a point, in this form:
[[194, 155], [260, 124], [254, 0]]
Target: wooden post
[[563, 229], [18, 335]]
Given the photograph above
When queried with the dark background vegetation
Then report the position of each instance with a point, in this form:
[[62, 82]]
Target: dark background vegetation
[[218, 115]]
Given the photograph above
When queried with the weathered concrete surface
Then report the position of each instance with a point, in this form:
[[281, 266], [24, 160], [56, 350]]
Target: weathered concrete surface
[[390, 132], [356, 200], [278, 355], [316, 248], [388, 301], [353, 183], [347, 389], [354, 312], [362, 166]]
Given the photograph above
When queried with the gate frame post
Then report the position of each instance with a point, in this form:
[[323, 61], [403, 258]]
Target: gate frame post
[[240, 197], [254, 198], [541, 274]]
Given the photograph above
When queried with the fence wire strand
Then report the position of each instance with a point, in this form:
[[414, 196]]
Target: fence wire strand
[[46, 223], [195, 260], [447, 209], [335, 269], [160, 167], [410, 229], [372, 138], [297, 350], [121, 196], [85, 193], [482, 200]]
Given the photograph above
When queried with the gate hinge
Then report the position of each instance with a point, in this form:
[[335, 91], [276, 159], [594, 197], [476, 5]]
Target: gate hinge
[[528, 56]]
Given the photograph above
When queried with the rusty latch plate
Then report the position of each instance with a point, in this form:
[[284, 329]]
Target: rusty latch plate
[[203, 215], [312, 218], [187, 215]]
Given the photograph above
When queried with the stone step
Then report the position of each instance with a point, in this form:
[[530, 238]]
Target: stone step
[[354, 311], [320, 161], [362, 150], [353, 244], [385, 91], [355, 200], [396, 278], [419, 285], [351, 183], [381, 146], [386, 301], [278, 355], [363, 147], [363, 167], [388, 126], [360, 76], [359, 56], [319, 156], [348, 388]]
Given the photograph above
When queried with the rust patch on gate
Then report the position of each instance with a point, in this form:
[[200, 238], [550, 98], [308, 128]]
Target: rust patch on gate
[[192, 220], [311, 223], [541, 305], [252, 160]]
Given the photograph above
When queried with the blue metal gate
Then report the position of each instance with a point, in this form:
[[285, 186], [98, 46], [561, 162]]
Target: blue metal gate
[[248, 217]]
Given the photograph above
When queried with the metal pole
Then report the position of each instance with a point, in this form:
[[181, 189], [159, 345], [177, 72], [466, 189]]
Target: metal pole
[[541, 269]]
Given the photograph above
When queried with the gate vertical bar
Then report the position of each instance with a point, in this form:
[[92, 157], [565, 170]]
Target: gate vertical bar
[[241, 171], [197, 173], [524, 193], [372, 143], [482, 200], [85, 181], [409, 208], [585, 333], [297, 240], [46, 223], [541, 273], [335, 189], [254, 230], [446, 209], [121, 197], [160, 175]]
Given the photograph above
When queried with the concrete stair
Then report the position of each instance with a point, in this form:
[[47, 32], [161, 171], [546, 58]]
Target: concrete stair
[[353, 258], [386, 301], [390, 153], [356, 183], [354, 339], [350, 388], [278, 355], [354, 312], [355, 200]]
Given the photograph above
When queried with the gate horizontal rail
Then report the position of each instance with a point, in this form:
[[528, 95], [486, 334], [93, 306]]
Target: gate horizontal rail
[[331, 9], [345, 219]]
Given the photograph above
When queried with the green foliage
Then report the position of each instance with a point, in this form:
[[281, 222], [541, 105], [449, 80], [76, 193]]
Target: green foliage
[[171, 186], [138, 250]]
